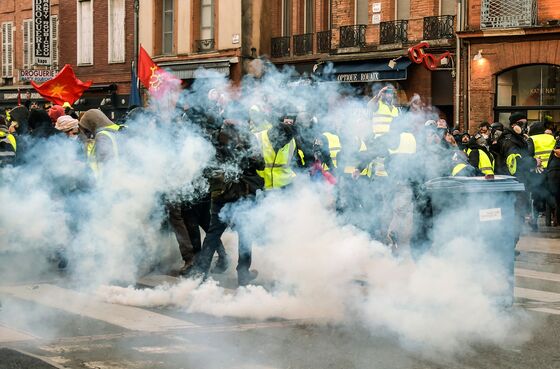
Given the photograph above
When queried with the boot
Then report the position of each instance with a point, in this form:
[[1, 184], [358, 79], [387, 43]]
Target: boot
[[221, 265], [244, 277]]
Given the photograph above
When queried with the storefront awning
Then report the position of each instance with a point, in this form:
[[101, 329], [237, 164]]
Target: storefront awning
[[368, 71], [190, 69]]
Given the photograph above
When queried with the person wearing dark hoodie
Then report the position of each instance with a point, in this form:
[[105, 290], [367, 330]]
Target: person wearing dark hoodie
[[40, 124], [520, 162], [102, 132], [553, 180], [236, 149]]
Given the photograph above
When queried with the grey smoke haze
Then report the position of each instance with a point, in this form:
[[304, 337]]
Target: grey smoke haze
[[324, 268]]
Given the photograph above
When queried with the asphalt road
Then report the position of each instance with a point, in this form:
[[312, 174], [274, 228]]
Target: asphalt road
[[101, 335]]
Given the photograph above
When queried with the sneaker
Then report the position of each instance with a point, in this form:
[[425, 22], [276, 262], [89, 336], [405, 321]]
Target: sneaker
[[221, 265], [194, 273], [246, 277]]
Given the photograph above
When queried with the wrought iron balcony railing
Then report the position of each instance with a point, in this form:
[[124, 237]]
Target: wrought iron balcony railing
[[303, 44], [352, 36], [205, 45], [324, 41], [393, 32], [508, 13], [436, 28], [280, 47]]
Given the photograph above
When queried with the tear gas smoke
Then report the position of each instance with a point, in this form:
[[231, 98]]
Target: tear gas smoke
[[325, 265]]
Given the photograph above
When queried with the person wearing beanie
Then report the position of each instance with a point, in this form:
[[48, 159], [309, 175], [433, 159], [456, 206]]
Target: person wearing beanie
[[55, 112], [68, 125]]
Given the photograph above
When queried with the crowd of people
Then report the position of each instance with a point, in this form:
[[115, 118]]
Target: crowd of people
[[375, 160]]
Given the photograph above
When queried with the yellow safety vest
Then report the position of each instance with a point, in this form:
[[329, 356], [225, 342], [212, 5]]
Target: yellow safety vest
[[8, 138], [511, 162], [484, 163], [278, 170], [458, 168], [407, 144], [90, 146], [352, 169], [544, 144], [334, 147], [383, 117]]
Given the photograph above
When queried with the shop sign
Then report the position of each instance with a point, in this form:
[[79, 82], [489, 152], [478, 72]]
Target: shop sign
[[42, 31], [37, 75], [14, 96], [372, 76], [544, 91]]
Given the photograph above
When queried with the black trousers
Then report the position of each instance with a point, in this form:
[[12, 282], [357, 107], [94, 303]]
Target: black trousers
[[212, 243], [186, 220]]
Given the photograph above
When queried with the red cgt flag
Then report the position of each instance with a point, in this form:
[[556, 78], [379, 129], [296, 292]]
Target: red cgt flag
[[64, 87], [155, 79]]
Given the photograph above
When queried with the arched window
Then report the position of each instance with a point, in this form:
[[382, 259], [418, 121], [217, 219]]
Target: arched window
[[534, 89]]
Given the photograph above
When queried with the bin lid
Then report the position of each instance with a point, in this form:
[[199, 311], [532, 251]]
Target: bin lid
[[475, 184]]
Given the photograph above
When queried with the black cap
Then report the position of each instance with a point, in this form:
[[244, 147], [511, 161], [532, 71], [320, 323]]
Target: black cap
[[497, 126], [516, 117]]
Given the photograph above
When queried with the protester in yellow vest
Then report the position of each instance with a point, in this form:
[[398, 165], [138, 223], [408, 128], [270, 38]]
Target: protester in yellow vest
[[540, 144], [96, 126], [278, 147], [8, 145], [383, 110]]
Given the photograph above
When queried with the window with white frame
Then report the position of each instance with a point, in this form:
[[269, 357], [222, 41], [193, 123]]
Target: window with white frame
[[116, 31], [85, 32], [167, 27], [28, 46], [54, 40], [206, 24], [7, 50]]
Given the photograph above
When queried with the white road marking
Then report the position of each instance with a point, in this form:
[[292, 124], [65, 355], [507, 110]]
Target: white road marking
[[546, 310], [13, 335], [74, 302], [545, 276], [537, 295], [536, 244]]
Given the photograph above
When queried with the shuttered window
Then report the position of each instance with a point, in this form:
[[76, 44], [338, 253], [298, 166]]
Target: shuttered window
[[362, 9], [167, 27], [85, 31], [403, 9], [28, 43], [54, 40], [116, 31], [7, 50]]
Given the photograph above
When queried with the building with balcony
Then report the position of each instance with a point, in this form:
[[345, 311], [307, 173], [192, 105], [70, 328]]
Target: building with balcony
[[186, 35], [18, 65], [367, 43], [512, 59]]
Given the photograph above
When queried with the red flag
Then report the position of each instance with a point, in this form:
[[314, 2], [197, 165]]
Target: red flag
[[64, 87], [155, 79]]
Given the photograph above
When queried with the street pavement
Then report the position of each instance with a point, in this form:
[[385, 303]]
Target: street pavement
[[46, 322]]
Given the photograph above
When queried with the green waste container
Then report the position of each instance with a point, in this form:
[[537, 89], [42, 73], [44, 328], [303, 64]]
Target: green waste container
[[483, 210]]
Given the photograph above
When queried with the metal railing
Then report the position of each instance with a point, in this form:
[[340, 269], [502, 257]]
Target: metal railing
[[508, 13], [205, 45], [324, 39], [436, 28], [352, 36], [303, 44], [393, 32], [280, 46]]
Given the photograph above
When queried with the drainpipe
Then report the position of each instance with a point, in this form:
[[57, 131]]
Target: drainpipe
[[136, 33], [458, 62]]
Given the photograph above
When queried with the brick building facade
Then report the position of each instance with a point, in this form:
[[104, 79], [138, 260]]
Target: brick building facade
[[17, 49], [362, 38], [513, 60], [97, 39]]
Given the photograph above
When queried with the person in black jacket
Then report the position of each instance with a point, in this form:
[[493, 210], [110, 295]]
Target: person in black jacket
[[233, 177], [553, 180]]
